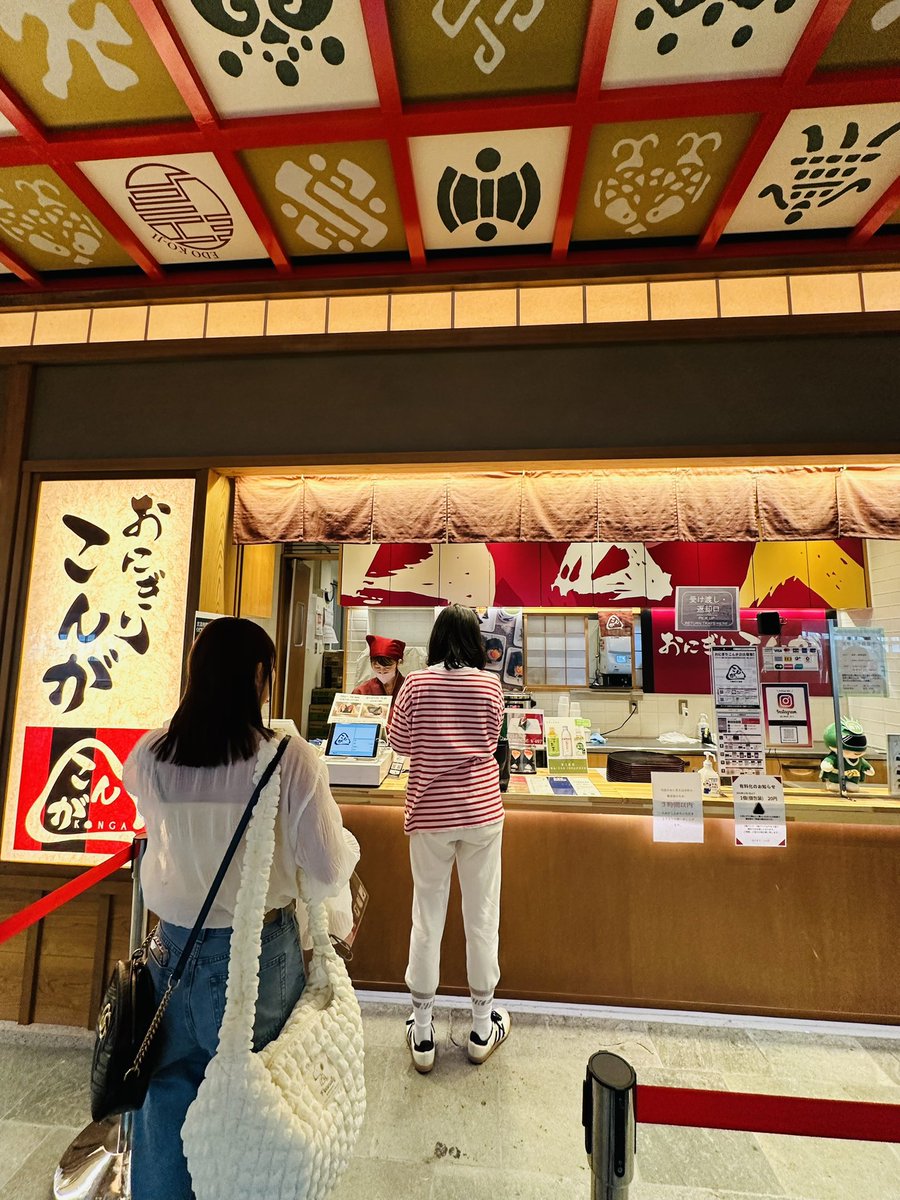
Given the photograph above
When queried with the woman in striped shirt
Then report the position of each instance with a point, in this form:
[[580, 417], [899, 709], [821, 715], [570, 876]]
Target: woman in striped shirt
[[447, 719]]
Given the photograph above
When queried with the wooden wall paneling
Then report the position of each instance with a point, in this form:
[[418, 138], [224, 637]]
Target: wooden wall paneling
[[65, 968], [593, 911], [12, 953], [214, 595], [258, 580], [14, 425]]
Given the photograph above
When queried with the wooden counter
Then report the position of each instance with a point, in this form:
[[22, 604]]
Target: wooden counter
[[594, 912]]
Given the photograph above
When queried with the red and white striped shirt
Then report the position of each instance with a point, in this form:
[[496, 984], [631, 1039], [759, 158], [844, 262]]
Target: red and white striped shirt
[[448, 723]]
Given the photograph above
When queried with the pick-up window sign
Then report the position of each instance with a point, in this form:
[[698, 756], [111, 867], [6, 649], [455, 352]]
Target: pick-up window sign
[[705, 608]]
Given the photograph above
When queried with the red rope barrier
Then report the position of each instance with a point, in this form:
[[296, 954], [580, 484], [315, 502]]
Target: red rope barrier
[[854, 1119], [62, 895]]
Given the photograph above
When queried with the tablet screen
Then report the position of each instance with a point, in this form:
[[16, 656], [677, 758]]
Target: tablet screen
[[353, 739]]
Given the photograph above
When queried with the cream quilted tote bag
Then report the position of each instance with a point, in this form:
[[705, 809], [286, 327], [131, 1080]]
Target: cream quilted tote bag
[[282, 1123]]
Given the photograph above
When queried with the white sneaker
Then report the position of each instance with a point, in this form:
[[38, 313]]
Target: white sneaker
[[480, 1049], [422, 1053]]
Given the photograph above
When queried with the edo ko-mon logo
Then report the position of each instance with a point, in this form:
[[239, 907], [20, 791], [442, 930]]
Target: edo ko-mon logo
[[180, 209]]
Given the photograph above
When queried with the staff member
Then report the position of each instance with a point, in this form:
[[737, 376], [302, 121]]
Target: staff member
[[385, 657]]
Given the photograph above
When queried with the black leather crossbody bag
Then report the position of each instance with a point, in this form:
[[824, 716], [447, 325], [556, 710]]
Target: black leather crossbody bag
[[130, 1017]]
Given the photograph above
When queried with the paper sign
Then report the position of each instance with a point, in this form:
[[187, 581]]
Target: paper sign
[[893, 763], [788, 721], [861, 666], [677, 807], [525, 728], [566, 747], [735, 676], [791, 658], [741, 745], [350, 706], [759, 816], [707, 608]]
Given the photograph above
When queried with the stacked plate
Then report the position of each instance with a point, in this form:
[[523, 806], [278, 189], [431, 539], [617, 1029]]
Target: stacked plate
[[634, 766]]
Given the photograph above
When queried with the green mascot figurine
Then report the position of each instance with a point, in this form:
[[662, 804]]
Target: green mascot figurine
[[856, 768]]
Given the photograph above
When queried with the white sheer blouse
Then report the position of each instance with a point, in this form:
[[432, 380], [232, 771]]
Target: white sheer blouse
[[192, 812]]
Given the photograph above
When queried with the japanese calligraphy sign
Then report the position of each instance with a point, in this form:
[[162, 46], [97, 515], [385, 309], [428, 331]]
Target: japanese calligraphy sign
[[101, 660]]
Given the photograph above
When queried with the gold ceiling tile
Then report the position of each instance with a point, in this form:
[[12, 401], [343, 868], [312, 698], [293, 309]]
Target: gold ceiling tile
[[657, 178], [335, 199], [80, 62], [487, 47], [868, 36], [44, 221]]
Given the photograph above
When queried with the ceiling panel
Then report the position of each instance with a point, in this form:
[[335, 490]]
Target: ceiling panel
[[256, 57], [333, 199], [45, 223], [454, 49], [657, 178], [678, 41], [868, 36], [489, 189], [80, 63], [181, 207], [825, 169]]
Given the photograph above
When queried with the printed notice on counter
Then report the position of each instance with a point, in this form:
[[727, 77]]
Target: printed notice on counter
[[707, 608], [759, 817], [677, 807], [788, 721], [740, 740], [893, 763], [735, 676], [566, 746], [560, 785], [790, 658], [861, 665]]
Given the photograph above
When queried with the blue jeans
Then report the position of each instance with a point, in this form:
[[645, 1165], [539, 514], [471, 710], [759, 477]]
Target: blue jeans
[[189, 1034]]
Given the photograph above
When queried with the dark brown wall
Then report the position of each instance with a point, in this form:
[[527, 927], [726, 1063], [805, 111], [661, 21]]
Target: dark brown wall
[[790, 392]]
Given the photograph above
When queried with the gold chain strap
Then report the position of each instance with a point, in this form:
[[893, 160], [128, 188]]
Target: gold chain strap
[[135, 1068]]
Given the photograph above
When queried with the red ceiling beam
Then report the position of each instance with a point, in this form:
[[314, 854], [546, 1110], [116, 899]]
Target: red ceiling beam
[[648, 255], [161, 30], [19, 267], [381, 50], [168, 44], [882, 210], [809, 49], [596, 44], [99, 207]]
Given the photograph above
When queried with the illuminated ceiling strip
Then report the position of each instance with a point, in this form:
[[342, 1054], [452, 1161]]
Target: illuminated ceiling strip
[[170, 48], [596, 45], [381, 52], [809, 49]]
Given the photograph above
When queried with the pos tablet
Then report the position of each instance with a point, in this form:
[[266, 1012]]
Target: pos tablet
[[353, 739]]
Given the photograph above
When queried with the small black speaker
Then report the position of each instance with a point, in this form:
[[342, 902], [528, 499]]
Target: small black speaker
[[769, 623]]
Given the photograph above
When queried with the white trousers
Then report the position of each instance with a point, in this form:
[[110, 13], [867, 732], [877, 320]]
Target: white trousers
[[476, 852]]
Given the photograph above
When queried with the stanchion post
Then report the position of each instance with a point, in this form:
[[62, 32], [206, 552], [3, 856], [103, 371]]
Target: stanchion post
[[609, 1117]]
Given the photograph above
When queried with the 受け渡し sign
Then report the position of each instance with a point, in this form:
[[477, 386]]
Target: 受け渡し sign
[[101, 660]]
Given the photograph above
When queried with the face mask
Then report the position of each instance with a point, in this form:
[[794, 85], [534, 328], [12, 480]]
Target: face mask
[[384, 674]]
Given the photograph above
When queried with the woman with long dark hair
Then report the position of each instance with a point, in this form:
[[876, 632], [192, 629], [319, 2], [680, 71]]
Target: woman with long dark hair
[[447, 719], [191, 781]]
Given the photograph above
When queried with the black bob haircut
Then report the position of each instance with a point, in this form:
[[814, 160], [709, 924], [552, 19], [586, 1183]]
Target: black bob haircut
[[456, 639], [219, 719]]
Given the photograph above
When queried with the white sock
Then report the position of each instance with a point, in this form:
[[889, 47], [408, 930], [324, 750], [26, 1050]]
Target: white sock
[[423, 1015], [482, 1007]]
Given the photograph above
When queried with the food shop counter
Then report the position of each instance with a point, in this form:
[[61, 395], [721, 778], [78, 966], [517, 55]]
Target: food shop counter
[[595, 912]]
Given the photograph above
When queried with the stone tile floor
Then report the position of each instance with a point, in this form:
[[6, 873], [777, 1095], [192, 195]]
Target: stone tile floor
[[511, 1129]]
